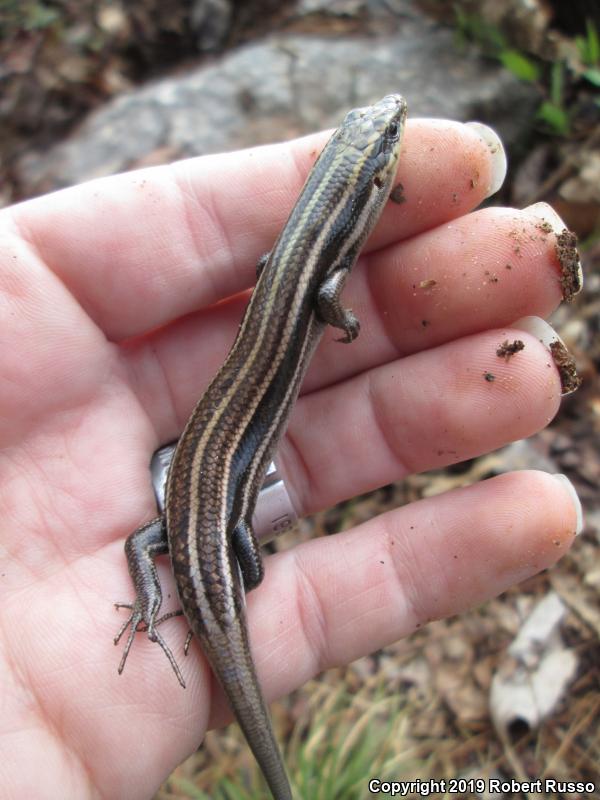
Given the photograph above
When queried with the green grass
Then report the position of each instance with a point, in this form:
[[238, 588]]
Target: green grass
[[558, 82]]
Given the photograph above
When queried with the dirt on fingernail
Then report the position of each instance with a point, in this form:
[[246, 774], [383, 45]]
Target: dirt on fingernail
[[570, 264], [565, 363]]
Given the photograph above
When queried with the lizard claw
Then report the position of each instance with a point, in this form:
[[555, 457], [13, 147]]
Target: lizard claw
[[138, 623]]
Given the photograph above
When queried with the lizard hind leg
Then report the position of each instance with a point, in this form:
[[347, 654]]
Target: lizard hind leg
[[142, 547], [247, 550]]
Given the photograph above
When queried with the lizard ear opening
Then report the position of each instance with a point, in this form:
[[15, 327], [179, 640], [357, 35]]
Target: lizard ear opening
[[392, 130]]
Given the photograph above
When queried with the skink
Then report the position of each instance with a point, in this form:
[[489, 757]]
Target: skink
[[227, 444]]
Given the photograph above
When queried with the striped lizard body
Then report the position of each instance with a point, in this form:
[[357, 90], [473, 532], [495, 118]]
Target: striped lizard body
[[229, 440]]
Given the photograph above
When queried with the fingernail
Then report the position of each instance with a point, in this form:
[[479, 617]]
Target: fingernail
[[564, 481], [566, 248], [497, 153], [545, 212], [563, 360], [539, 328]]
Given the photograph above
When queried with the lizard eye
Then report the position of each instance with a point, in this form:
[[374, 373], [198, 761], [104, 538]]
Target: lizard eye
[[392, 130]]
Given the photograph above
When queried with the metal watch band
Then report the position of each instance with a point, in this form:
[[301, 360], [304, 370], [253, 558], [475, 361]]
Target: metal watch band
[[274, 513]]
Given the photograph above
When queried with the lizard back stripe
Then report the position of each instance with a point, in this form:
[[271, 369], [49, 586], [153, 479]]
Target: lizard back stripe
[[222, 455]]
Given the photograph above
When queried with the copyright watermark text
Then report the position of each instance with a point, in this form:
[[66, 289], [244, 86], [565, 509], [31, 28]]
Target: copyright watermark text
[[478, 786]]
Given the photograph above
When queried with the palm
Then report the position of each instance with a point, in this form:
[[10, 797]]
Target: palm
[[73, 482], [100, 364]]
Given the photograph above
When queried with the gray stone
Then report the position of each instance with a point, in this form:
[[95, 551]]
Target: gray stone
[[211, 20], [279, 88]]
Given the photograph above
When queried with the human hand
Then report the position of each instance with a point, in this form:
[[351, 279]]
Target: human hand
[[119, 300]]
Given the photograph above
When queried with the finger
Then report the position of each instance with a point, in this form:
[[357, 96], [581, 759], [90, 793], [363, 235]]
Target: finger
[[336, 598], [430, 289], [50, 350], [141, 249], [483, 270], [425, 411]]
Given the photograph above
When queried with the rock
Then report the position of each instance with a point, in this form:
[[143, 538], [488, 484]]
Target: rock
[[538, 668], [278, 88], [211, 20]]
